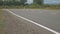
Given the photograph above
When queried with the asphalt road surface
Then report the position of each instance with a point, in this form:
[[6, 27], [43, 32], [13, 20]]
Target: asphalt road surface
[[48, 18]]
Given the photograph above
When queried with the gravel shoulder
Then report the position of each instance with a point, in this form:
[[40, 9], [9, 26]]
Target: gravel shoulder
[[2, 22]]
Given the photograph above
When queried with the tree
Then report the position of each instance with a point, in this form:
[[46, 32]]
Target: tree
[[1, 2], [17, 2], [40, 2], [12, 2], [23, 1]]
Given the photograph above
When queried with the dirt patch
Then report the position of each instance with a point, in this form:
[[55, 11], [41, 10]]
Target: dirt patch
[[2, 22]]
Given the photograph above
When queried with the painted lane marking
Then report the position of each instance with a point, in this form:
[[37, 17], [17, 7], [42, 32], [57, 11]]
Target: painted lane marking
[[34, 23]]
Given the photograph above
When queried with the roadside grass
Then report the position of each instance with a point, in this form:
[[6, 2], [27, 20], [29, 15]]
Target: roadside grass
[[31, 6], [2, 22]]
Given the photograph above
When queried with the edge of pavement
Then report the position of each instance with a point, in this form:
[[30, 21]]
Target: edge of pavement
[[34, 22]]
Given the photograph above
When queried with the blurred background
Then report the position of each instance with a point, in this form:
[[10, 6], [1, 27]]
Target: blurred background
[[30, 3]]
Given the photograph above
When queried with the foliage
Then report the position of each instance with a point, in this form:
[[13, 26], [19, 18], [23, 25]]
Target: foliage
[[1, 2], [20, 4], [40, 2], [33, 6], [23, 1], [12, 2]]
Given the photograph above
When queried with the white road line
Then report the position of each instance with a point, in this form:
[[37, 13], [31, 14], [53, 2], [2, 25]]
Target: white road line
[[55, 32]]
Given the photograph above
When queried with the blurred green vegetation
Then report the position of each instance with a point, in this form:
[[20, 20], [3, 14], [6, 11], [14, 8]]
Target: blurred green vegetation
[[32, 6], [21, 4]]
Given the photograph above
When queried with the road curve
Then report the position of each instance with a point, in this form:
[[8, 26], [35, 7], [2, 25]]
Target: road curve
[[48, 18]]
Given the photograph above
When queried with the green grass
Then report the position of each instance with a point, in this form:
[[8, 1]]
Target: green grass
[[2, 23], [30, 7]]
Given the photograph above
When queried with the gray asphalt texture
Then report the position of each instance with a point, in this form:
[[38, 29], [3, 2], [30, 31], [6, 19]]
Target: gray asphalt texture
[[48, 18], [16, 25]]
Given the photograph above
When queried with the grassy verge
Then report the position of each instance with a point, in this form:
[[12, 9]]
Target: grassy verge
[[32, 6], [19, 5], [2, 22]]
